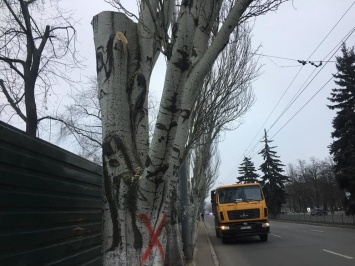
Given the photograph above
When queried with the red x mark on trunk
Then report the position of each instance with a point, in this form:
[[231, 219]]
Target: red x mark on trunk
[[154, 236]]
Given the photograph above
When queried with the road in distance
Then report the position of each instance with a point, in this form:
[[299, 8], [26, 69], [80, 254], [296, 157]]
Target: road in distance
[[289, 244]]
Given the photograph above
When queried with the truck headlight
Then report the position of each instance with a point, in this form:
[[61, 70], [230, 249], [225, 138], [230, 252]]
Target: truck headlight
[[265, 225], [224, 227]]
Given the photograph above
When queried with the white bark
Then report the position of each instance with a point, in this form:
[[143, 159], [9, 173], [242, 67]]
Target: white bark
[[140, 184], [123, 99]]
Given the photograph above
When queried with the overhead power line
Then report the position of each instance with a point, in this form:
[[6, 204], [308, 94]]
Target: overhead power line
[[336, 48], [299, 72], [303, 62], [325, 61], [299, 110], [300, 91], [349, 34]]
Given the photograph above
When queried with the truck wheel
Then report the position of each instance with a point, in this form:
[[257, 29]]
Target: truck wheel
[[263, 237], [224, 240]]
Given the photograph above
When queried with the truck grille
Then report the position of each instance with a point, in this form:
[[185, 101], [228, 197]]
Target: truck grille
[[243, 214]]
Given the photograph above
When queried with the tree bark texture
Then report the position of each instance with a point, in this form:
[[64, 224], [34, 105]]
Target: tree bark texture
[[140, 216], [122, 120]]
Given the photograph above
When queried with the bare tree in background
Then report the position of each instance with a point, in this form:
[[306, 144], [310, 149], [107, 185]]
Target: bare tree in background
[[226, 94], [205, 165], [37, 48], [140, 215], [81, 120], [312, 184]]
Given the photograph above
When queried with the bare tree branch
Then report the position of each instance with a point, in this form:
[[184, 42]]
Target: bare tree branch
[[74, 129], [34, 50], [226, 94], [11, 101]]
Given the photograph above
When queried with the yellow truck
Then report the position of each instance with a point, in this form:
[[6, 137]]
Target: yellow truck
[[240, 210]]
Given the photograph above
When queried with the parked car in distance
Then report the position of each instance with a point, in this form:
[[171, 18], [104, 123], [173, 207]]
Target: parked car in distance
[[319, 211]]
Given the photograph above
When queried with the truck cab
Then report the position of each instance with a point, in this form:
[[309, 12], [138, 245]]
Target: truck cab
[[240, 210]]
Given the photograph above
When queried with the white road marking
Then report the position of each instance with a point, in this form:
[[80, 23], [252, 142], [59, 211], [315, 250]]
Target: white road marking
[[338, 254], [318, 231], [276, 235]]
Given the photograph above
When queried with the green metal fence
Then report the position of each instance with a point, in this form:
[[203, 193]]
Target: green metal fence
[[50, 204]]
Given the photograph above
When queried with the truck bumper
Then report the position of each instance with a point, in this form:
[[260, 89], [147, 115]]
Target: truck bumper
[[244, 229]]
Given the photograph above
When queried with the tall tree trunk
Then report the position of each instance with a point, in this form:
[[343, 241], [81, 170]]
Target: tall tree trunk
[[140, 216], [187, 225], [123, 101], [31, 110], [135, 228]]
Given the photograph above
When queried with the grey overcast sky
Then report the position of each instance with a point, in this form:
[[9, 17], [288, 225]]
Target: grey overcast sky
[[299, 30], [295, 32]]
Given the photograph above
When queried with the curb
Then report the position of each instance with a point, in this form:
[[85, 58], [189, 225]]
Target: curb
[[213, 252], [340, 225]]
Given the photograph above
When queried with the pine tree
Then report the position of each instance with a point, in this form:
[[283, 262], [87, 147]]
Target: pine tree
[[343, 146], [247, 172], [273, 180]]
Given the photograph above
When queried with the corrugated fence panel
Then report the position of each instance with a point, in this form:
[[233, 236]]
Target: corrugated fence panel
[[50, 204]]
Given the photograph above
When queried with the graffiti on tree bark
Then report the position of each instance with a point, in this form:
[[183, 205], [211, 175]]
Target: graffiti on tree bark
[[154, 241]]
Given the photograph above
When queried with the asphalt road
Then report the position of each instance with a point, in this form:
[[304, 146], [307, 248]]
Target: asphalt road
[[289, 244]]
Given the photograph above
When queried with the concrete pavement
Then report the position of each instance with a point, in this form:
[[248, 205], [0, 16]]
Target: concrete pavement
[[204, 254]]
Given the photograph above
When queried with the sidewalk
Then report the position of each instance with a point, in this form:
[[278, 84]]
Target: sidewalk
[[205, 254]]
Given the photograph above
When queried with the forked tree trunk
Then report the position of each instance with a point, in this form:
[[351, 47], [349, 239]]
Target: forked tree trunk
[[138, 228], [140, 181], [123, 92]]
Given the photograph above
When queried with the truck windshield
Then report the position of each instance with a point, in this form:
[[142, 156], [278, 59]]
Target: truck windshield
[[239, 194]]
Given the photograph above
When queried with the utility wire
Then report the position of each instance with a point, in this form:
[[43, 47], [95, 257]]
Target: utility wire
[[298, 74], [300, 71], [303, 106], [349, 34], [299, 92], [246, 151], [291, 59], [336, 48], [295, 114]]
